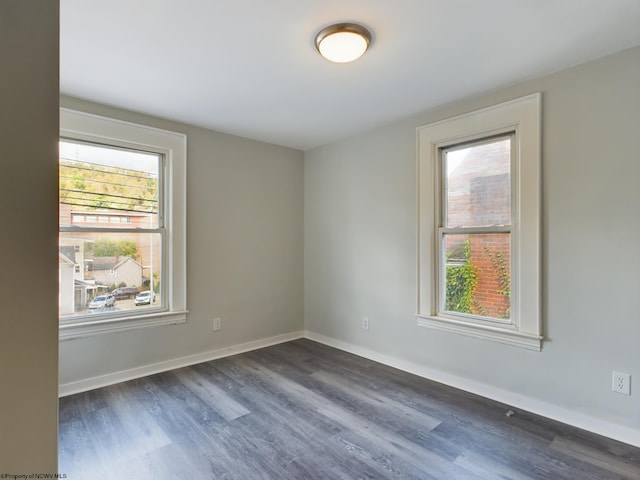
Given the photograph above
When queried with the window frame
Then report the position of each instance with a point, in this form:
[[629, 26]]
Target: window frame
[[522, 118], [172, 146]]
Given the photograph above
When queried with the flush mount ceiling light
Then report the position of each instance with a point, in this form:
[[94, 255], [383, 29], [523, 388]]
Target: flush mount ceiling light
[[343, 42]]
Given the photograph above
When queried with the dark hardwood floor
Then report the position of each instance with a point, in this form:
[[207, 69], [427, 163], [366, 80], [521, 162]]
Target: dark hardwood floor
[[302, 410]]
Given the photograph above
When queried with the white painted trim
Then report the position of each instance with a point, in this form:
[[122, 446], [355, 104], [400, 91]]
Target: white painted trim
[[555, 412], [145, 370], [500, 334], [69, 331]]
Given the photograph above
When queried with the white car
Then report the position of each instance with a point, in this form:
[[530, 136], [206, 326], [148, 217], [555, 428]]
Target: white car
[[102, 301], [144, 298]]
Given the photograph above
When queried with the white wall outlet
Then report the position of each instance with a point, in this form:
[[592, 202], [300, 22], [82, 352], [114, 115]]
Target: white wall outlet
[[621, 383], [217, 324], [365, 323]]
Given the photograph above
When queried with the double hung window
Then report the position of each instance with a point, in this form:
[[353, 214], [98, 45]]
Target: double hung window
[[479, 224], [121, 240]]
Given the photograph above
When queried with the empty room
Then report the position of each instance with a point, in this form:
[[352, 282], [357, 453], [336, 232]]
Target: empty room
[[320, 240]]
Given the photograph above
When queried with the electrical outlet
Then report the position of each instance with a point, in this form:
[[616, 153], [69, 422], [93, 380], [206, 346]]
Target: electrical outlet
[[621, 383], [217, 324], [365, 323]]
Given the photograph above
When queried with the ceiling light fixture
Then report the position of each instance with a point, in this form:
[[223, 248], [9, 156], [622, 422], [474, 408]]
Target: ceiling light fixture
[[343, 42]]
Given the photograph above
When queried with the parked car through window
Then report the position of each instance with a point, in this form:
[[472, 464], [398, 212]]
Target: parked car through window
[[144, 298], [102, 301]]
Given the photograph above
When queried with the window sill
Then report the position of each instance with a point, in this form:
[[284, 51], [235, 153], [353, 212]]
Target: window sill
[[81, 329], [494, 333]]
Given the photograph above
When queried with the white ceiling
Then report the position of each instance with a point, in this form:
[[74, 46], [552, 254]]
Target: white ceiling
[[250, 68]]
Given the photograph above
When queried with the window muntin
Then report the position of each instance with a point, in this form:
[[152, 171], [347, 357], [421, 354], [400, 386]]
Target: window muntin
[[99, 185], [474, 229]]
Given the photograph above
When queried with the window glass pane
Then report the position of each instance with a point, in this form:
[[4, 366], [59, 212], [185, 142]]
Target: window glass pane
[[118, 265], [99, 183], [478, 274], [478, 184]]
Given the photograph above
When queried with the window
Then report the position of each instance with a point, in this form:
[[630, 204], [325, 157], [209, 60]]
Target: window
[[479, 224], [122, 224]]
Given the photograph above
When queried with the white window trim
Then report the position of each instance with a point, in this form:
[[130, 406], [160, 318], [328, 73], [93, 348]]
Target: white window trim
[[523, 117], [93, 128]]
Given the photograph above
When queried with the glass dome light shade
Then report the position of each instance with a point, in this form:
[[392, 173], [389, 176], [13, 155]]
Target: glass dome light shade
[[343, 43]]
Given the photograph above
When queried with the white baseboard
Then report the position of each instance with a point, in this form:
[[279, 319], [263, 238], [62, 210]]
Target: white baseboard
[[145, 370], [580, 420]]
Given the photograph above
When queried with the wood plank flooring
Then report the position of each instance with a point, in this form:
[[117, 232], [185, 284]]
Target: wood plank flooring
[[302, 410]]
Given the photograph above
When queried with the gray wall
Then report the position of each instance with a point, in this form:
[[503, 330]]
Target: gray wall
[[28, 243], [244, 253], [360, 246]]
